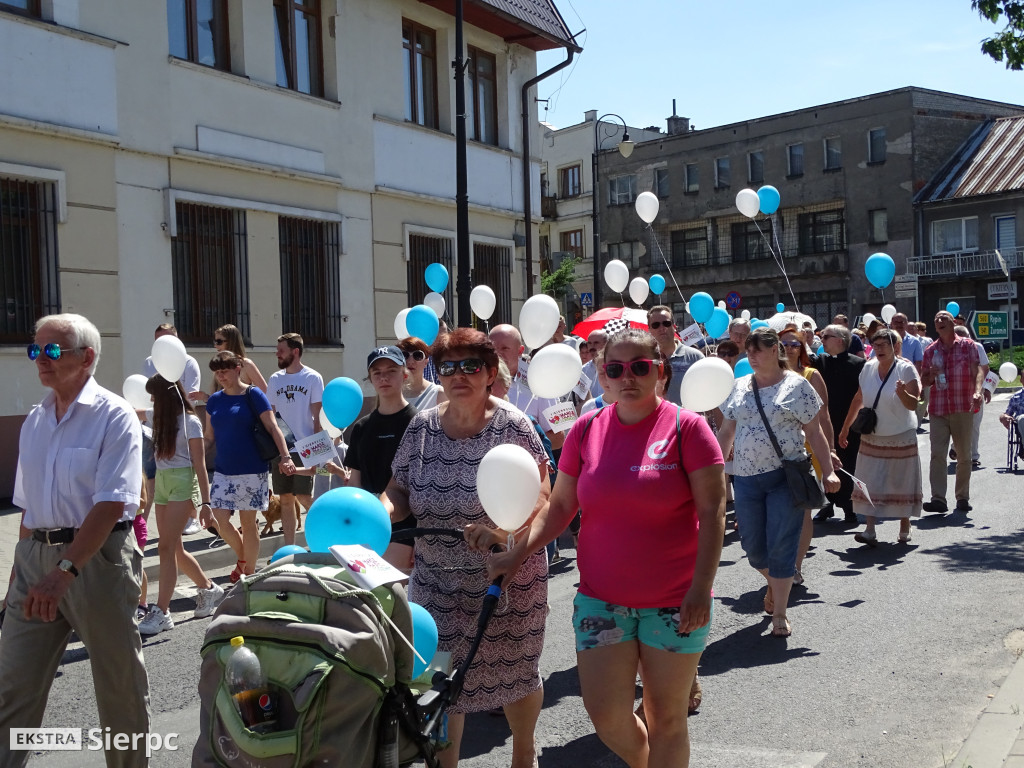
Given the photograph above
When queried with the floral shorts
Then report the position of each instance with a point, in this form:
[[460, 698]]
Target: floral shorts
[[598, 624], [240, 491]]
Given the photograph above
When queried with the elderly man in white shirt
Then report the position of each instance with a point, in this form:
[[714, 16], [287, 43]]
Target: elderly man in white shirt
[[76, 565]]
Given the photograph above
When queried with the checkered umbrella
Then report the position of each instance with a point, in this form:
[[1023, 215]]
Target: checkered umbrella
[[621, 316]]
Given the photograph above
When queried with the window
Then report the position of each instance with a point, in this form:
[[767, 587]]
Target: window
[[297, 45], [210, 271], [690, 247], [692, 178], [795, 160], [492, 266], [622, 190], [572, 242], [755, 167], [821, 305], [878, 226], [627, 253], [310, 281], [722, 178], [482, 74], [197, 31], [21, 7], [833, 153], [661, 182], [419, 48], [876, 145], [29, 283], [425, 250], [748, 244], [821, 232], [954, 235], [1006, 233], [569, 181]]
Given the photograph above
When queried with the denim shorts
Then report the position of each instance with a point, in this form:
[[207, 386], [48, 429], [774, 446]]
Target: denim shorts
[[598, 623], [769, 522]]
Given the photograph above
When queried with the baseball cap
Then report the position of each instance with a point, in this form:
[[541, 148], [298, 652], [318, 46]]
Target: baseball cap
[[392, 353]]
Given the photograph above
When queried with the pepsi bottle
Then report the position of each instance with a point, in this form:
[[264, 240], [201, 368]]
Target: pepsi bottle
[[248, 688]]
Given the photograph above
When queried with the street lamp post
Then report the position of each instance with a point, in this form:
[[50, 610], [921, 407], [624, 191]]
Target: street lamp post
[[625, 149]]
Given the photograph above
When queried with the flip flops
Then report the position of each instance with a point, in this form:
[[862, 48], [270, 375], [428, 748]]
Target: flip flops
[[781, 627]]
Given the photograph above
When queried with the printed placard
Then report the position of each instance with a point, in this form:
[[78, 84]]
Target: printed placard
[[860, 484], [368, 569], [691, 335], [991, 381], [561, 416], [315, 450], [522, 368], [582, 388]]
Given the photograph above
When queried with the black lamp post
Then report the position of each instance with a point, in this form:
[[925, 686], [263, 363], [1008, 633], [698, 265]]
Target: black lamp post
[[625, 149]]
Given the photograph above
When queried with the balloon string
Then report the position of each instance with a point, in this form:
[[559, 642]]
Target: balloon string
[[667, 267], [779, 262]]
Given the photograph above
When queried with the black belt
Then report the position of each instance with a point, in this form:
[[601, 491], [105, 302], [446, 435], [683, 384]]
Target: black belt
[[53, 536]]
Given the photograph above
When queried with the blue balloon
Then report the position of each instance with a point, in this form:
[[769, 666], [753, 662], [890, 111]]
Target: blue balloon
[[880, 269], [953, 308], [657, 284], [348, 516], [780, 307], [424, 637], [755, 325], [343, 400], [742, 368], [701, 307], [769, 198], [718, 324], [422, 322], [437, 278], [286, 550]]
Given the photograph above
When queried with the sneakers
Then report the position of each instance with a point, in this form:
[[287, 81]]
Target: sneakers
[[935, 505], [207, 600], [140, 612], [192, 527], [156, 621]]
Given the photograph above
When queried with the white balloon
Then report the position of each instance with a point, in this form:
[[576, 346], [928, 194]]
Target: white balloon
[[169, 357], [639, 290], [748, 202], [706, 384], [401, 332], [482, 301], [508, 484], [332, 430], [1007, 371], [745, 314], [436, 302], [721, 303], [538, 320], [888, 311], [647, 205], [868, 319], [134, 391], [554, 371], [616, 275]]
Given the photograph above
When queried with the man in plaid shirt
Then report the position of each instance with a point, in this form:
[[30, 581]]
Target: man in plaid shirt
[[951, 368]]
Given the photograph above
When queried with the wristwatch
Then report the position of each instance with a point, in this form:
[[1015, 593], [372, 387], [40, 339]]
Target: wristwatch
[[68, 567]]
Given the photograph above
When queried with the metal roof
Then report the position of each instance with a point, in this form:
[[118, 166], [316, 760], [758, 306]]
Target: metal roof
[[536, 24], [989, 162]]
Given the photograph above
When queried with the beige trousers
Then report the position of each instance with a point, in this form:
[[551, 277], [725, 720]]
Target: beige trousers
[[958, 427]]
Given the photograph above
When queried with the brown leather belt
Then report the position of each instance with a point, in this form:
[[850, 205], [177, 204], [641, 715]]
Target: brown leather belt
[[54, 536]]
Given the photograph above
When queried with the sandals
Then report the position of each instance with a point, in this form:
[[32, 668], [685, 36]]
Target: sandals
[[238, 573], [696, 695], [903, 538], [781, 627], [769, 600]]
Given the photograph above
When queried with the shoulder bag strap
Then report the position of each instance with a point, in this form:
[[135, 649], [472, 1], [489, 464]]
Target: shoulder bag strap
[[884, 382], [760, 408], [679, 437]]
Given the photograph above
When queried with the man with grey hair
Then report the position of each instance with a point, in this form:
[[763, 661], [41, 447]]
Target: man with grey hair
[[679, 356], [739, 329], [912, 349], [77, 566], [508, 343], [595, 343]]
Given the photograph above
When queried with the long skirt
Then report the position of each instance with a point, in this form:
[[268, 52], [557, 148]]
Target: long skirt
[[891, 469]]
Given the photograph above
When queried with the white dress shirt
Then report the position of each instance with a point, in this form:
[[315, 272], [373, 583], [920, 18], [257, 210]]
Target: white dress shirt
[[94, 454]]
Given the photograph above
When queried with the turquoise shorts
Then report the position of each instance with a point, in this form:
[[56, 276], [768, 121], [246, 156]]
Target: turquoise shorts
[[598, 624]]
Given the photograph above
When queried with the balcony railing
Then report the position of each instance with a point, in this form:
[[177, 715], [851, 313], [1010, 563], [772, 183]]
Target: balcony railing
[[964, 263], [549, 206]]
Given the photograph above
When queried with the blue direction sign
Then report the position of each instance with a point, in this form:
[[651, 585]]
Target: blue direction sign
[[587, 299]]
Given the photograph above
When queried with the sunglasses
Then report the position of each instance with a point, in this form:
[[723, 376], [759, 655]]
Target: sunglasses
[[660, 324], [828, 336], [468, 366], [728, 354], [224, 365], [792, 344], [416, 354], [218, 342], [638, 368], [52, 351]]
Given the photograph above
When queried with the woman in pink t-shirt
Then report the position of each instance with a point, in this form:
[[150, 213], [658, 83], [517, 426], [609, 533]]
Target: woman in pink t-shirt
[[653, 511]]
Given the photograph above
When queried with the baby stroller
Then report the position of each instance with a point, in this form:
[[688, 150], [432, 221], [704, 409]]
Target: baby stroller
[[338, 671]]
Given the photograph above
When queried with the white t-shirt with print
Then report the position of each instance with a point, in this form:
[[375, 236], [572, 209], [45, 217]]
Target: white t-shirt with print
[[182, 458], [893, 417], [292, 394]]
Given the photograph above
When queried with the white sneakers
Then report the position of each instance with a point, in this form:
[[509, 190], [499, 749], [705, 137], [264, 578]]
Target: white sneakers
[[192, 527], [207, 600], [156, 621]]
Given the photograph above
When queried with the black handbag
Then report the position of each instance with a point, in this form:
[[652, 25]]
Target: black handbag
[[867, 419], [803, 485], [266, 446]]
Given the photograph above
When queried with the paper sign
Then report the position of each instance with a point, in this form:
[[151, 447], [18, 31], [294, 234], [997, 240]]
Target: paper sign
[[691, 335], [582, 388], [368, 569], [991, 381], [523, 367], [315, 450], [561, 416], [860, 485]]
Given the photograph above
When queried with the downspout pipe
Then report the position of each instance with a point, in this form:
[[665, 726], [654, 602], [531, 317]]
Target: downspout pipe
[[527, 192]]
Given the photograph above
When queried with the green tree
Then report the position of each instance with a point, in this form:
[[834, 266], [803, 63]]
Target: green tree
[[1008, 45], [555, 283]]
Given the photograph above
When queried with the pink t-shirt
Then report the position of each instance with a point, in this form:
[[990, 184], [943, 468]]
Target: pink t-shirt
[[638, 539]]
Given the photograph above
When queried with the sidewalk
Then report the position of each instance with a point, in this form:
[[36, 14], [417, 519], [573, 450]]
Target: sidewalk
[[997, 739]]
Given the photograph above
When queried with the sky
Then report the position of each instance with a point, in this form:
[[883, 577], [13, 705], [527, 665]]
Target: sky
[[725, 61]]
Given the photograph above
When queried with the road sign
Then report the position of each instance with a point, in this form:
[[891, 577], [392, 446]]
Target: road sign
[[587, 299], [733, 300], [906, 286], [1002, 291], [990, 326]]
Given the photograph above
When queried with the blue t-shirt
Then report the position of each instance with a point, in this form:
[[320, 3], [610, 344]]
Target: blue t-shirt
[[233, 418]]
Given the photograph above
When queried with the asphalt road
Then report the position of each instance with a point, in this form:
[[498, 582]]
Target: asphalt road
[[894, 652]]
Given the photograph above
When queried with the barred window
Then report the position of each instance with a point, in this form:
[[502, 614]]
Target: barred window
[[210, 271], [425, 250], [627, 253], [310, 280], [690, 247], [821, 232], [492, 266], [29, 281], [748, 243]]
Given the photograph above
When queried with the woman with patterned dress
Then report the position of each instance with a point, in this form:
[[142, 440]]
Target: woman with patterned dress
[[434, 480]]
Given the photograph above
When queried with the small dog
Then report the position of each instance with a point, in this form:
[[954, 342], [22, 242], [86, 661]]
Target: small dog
[[273, 515]]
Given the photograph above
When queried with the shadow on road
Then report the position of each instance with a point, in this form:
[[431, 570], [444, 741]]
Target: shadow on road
[[747, 648], [586, 750], [991, 553], [860, 557]]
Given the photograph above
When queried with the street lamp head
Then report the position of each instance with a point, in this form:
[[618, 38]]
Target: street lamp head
[[626, 146]]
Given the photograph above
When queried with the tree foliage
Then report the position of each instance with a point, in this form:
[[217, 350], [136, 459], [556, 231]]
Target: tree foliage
[[555, 283], [1007, 45]]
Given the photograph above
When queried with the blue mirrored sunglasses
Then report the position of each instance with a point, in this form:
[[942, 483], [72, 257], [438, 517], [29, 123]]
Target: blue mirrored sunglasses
[[52, 351]]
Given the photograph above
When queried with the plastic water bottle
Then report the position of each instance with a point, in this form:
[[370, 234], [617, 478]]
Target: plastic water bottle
[[248, 688]]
